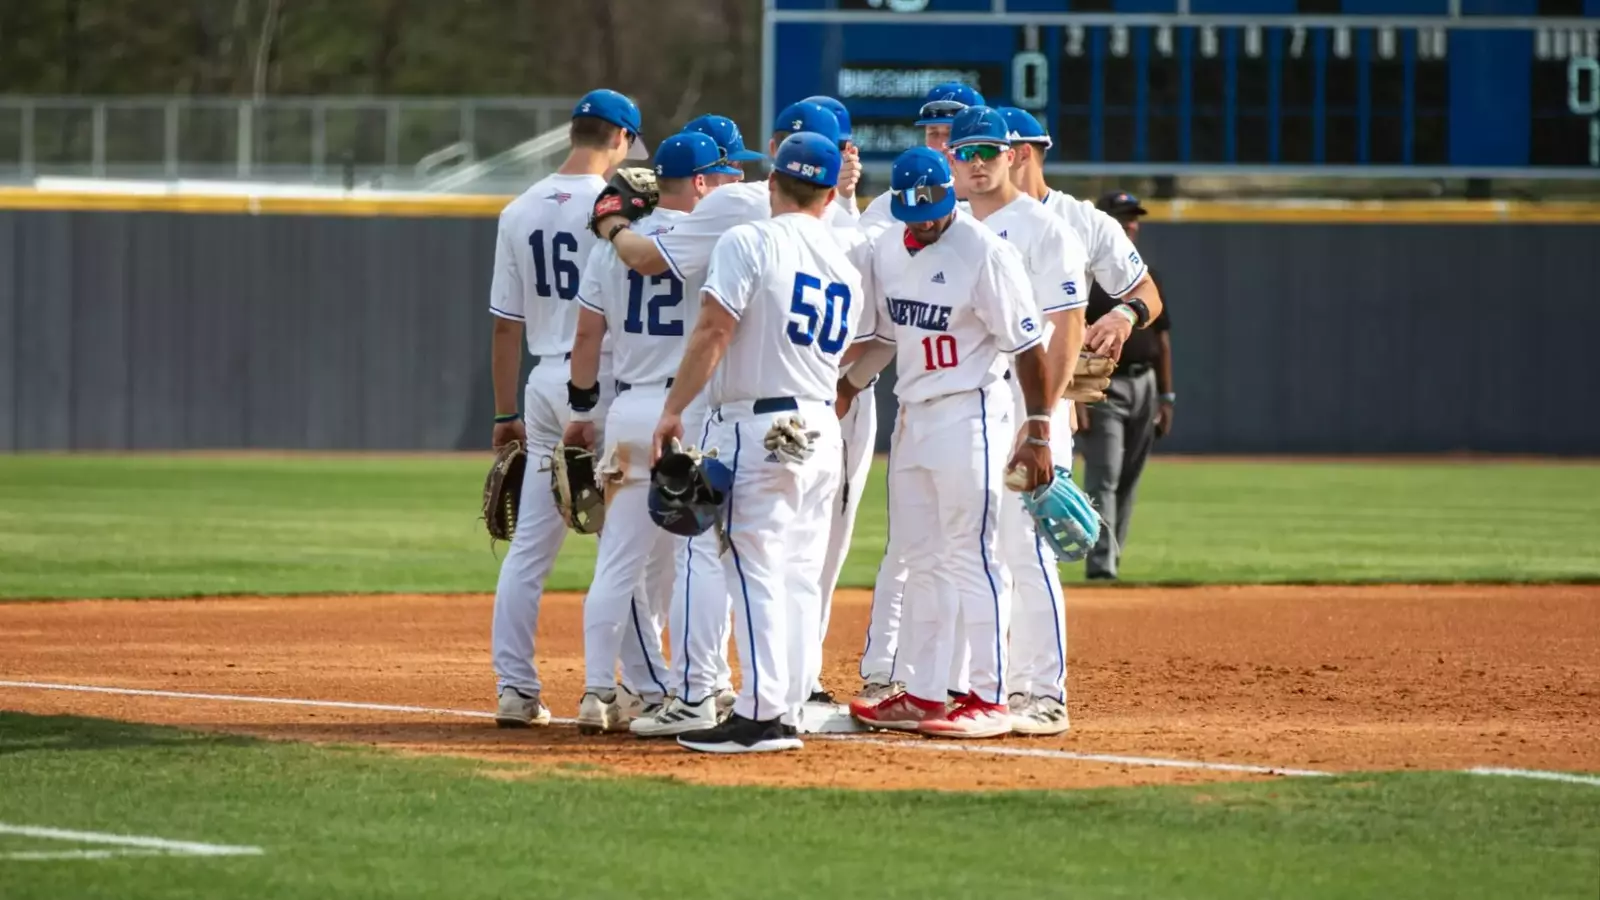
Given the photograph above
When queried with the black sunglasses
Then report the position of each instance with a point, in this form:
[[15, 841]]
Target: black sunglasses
[[939, 109]]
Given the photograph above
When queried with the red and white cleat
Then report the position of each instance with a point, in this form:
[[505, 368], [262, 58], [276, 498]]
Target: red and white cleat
[[970, 718], [897, 712]]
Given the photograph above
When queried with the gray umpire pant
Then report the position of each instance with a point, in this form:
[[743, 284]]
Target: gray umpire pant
[[1122, 429]]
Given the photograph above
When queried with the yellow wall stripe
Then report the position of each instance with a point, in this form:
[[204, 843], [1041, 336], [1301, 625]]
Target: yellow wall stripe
[[1417, 212]]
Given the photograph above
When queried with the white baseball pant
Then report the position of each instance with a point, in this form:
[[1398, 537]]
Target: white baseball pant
[[540, 529], [777, 521], [627, 600], [946, 483], [1039, 632], [859, 432], [698, 613]]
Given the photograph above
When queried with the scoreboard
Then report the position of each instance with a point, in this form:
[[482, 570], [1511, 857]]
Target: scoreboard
[[1382, 87]]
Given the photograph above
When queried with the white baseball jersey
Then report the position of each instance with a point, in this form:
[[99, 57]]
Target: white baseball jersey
[[799, 302], [543, 245], [955, 310], [688, 246], [648, 317], [1113, 261], [1053, 253]]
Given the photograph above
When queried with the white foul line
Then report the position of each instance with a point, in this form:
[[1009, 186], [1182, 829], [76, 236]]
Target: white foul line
[[159, 845], [930, 746], [1568, 777], [80, 854], [1042, 753]]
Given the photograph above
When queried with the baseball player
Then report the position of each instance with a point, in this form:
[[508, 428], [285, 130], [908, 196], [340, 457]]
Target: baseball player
[[938, 110], [954, 298], [647, 321], [1055, 259], [686, 252], [540, 252], [1114, 263], [782, 301]]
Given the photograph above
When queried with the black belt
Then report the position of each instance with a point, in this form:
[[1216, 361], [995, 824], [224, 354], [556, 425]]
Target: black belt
[[623, 386], [774, 404], [565, 357], [1134, 370]]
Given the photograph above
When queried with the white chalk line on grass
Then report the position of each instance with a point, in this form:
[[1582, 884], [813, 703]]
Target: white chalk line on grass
[[1568, 777], [128, 844], [925, 746]]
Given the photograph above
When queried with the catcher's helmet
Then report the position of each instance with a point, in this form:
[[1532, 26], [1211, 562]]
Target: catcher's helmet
[[687, 492]]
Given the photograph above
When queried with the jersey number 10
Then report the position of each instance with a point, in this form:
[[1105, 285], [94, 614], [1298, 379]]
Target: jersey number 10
[[835, 314], [939, 352]]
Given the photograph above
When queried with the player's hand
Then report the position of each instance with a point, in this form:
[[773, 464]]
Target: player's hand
[[1163, 419], [579, 434], [604, 224], [1107, 335], [849, 173], [1031, 466], [669, 428], [846, 395], [506, 432]]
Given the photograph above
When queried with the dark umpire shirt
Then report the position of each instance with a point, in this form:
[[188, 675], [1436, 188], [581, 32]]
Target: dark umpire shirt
[[1142, 346]]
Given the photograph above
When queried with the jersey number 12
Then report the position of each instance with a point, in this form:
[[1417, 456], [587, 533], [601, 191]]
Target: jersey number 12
[[835, 314], [664, 300], [566, 269]]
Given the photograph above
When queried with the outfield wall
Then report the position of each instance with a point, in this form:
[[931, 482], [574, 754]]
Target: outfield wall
[[171, 323]]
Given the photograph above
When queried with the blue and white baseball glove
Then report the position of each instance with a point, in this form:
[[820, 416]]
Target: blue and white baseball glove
[[1064, 516]]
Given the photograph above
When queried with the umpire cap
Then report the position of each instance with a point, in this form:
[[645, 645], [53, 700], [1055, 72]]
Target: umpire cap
[[1121, 205]]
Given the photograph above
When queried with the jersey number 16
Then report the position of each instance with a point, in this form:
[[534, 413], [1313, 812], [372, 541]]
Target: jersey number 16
[[835, 314]]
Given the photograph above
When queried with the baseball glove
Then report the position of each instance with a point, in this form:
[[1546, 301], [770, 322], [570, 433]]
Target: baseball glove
[[1091, 378], [631, 193], [502, 491], [789, 441], [577, 488], [1064, 517]]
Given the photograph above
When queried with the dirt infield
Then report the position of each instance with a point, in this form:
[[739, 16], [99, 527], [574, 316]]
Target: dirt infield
[[1327, 678]]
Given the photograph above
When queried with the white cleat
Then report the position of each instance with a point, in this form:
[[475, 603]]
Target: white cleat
[[633, 706], [520, 710], [1039, 716], [879, 688], [599, 713], [678, 717]]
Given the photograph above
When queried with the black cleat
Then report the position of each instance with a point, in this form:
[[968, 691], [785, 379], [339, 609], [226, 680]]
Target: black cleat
[[737, 734]]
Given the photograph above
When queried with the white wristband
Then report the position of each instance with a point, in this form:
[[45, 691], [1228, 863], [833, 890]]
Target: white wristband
[[585, 416], [1039, 417], [1128, 313]]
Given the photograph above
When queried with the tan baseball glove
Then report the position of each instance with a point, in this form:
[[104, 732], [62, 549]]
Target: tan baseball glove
[[577, 489], [502, 491], [1091, 378]]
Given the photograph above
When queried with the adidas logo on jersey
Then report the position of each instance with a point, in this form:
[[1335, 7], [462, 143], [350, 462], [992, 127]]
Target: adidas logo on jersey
[[938, 278], [559, 197]]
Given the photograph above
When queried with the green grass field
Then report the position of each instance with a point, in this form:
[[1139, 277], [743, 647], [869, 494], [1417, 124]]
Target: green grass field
[[333, 822], [168, 526], [347, 822]]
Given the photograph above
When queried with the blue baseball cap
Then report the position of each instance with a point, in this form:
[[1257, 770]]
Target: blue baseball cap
[[808, 117], [810, 157], [690, 153], [610, 106], [920, 186], [979, 125], [945, 100], [1024, 128], [838, 110], [726, 133]]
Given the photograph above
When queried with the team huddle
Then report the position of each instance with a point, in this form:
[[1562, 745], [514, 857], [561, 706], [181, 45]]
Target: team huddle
[[699, 343]]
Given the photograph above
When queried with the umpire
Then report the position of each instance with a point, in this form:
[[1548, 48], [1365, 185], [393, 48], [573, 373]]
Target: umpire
[[1120, 430]]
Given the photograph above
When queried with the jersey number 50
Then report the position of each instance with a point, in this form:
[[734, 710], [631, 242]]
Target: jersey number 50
[[835, 314]]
